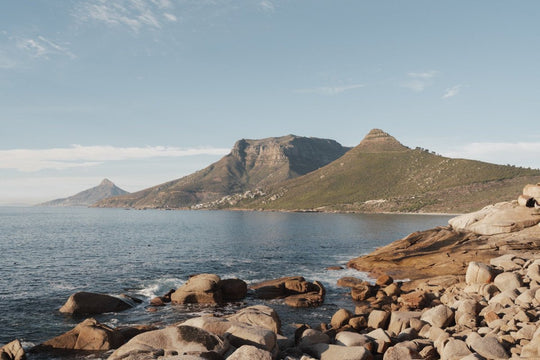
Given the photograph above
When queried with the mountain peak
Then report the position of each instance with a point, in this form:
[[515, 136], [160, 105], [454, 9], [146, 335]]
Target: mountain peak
[[106, 182], [379, 141]]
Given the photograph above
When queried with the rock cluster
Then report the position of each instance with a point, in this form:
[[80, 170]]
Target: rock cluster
[[295, 290]]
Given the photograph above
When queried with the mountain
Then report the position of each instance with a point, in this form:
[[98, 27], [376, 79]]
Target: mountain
[[88, 197], [251, 164], [382, 175]]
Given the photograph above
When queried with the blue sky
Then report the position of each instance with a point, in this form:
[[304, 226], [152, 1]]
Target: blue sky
[[145, 91]]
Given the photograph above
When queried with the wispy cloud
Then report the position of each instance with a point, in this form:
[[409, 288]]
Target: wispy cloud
[[517, 153], [452, 91], [134, 14], [30, 160], [329, 90], [267, 5], [41, 47], [418, 81]]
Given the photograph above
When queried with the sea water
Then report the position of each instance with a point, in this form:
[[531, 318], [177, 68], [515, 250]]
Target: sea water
[[47, 254]]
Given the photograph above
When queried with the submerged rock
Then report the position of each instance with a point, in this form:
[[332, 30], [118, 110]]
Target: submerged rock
[[93, 303]]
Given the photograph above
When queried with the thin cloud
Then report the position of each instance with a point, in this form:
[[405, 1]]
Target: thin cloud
[[134, 14], [267, 6], [41, 47], [329, 90], [452, 91], [419, 81], [518, 153], [31, 160]]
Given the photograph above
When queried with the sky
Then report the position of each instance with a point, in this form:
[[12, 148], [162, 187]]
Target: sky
[[146, 91]]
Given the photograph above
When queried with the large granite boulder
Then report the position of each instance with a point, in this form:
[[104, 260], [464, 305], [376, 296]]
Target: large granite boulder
[[12, 351], [258, 315], [199, 289], [505, 217], [93, 303], [171, 341], [90, 335]]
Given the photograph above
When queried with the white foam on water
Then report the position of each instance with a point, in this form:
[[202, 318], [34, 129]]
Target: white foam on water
[[159, 287]]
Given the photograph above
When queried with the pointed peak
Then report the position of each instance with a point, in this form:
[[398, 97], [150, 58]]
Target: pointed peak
[[106, 182], [379, 141]]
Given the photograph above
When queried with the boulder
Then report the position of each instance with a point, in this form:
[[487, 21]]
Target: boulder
[[349, 338], [199, 289], [384, 280], [467, 313], [312, 336], [414, 300], [89, 335], [478, 273], [440, 316], [350, 282], [455, 350], [172, 340], [274, 289], [363, 291], [334, 352], [340, 318], [239, 334], [500, 218], [295, 289], [378, 319], [400, 320], [93, 303], [401, 353], [12, 351], [250, 352], [487, 346], [507, 281], [533, 271], [258, 315], [532, 190], [505, 262], [233, 289]]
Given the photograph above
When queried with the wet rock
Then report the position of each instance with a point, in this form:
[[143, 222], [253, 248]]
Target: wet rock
[[250, 352], [173, 340], [12, 351], [233, 289], [93, 303], [199, 289], [384, 280]]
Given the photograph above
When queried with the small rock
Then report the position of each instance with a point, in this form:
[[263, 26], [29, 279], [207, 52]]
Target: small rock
[[348, 338], [358, 322], [400, 320], [12, 351], [312, 336], [455, 350], [401, 353], [384, 280], [334, 352], [414, 300]]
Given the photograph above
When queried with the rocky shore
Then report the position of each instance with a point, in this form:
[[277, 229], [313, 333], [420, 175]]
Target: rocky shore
[[473, 292]]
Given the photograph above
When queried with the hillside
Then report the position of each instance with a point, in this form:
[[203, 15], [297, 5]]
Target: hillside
[[88, 197], [250, 164], [382, 175]]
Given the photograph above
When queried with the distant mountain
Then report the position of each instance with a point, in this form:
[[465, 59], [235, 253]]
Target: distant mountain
[[88, 197], [251, 164], [382, 175]]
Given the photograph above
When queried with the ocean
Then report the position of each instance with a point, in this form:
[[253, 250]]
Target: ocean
[[47, 254]]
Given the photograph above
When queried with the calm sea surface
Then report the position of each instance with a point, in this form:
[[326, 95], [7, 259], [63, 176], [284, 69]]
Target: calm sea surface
[[46, 254]]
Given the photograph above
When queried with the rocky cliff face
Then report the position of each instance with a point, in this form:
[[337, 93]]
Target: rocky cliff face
[[251, 164], [88, 197]]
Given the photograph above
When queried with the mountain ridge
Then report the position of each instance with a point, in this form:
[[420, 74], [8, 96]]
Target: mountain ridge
[[88, 197], [250, 164]]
